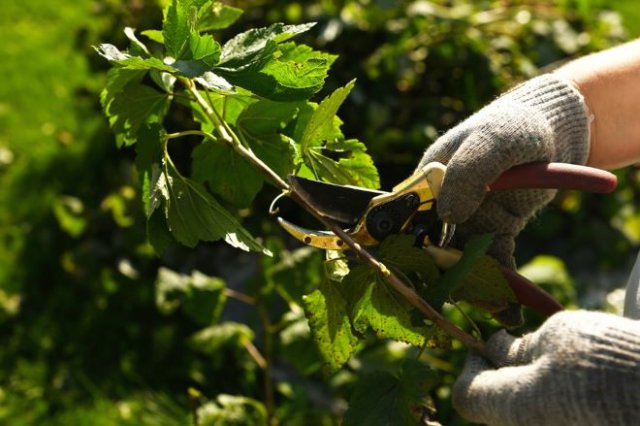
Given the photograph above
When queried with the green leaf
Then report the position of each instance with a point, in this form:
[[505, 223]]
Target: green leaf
[[149, 146], [111, 53], [325, 153], [486, 287], [154, 35], [321, 126], [69, 212], [252, 49], [155, 190], [137, 47], [214, 338], [132, 107], [149, 155], [201, 297], [204, 48], [383, 398], [158, 234], [176, 28], [298, 70], [399, 253], [214, 82], [194, 215], [327, 312], [295, 273], [228, 106], [232, 410], [202, 55], [260, 126], [117, 80], [266, 118], [294, 73], [352, 167], [355, 160], [375, 305], [126, 61], [296, 346], [227, 174], [453, 278], [215, 15]]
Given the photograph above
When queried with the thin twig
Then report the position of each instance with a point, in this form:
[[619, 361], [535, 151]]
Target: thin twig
[[405, 291], [240, 296], [256, 355], [269, 390]]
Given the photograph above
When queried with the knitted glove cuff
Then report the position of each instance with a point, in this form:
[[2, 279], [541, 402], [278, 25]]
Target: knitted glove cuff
[[564, 108]]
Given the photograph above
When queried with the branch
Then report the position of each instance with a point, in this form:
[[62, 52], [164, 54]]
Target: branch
[[396, 282]]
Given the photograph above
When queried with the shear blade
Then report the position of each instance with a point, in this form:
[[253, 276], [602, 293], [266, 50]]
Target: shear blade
[[343, 203], [321, 239]]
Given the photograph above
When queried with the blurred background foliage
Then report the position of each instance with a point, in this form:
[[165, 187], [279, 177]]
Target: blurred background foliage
[[95, 329]]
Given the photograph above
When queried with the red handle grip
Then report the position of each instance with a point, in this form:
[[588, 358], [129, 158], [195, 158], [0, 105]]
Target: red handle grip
[[556, 175], [531, 295]]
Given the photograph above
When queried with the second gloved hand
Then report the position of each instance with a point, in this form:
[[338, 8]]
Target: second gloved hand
[[579, 368], [544, 119]]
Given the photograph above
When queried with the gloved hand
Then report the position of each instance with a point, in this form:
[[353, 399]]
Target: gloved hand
[[579, 368], [544, 119]]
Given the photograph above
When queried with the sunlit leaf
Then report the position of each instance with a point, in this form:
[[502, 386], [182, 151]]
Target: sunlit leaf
[[253, 48], [132, 107], [375, 305], [212, 339], [194, 215], [327, 312], [486, 287], [232, 410], [261, 125], [400, 253], [226, 173], [202, 54], [295, 273], [295, 72], [345, 162], [454, 277], [201, 297], [214, 15], [176, 28], [70, 214], [321, 127]]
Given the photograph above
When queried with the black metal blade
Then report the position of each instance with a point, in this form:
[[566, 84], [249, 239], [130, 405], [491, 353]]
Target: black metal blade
[[343, 203]]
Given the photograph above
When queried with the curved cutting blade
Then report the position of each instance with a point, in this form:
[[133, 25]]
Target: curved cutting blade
[[343, 203], [321, 239]]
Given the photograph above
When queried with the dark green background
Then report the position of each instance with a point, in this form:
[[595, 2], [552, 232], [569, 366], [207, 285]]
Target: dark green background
[[81, 338]]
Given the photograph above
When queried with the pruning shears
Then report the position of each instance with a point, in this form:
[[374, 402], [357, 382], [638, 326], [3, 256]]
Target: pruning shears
[[368, 216]]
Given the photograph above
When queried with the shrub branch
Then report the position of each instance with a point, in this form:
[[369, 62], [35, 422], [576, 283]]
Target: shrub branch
[[229, 137]]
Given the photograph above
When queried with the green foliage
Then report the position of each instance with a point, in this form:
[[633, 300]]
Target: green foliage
[[230, 410], [328, 315], [385, 398], [98, 329], [267, 115], [201, 297]]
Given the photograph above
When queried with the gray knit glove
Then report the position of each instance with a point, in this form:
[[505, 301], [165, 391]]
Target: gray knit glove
[[544, 119], [579, 368]]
